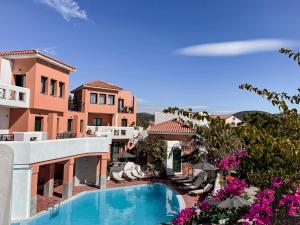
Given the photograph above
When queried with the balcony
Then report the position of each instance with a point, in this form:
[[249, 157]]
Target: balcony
[[116, 132], [65, 135], [28, 152], [126, 109], [14, 96]]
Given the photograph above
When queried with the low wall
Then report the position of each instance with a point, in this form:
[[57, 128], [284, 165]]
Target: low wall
[[6, 171]]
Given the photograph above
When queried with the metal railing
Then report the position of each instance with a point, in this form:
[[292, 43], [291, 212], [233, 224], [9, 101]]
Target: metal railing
[[65, 135], [6, 137]]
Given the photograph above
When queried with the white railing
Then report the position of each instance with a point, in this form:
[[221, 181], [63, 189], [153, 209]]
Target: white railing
[[14, 96], [116, 132]]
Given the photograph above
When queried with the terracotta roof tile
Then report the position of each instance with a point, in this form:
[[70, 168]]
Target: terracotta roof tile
[[101, 84], [35, 52], [171, 126], [221, 116]]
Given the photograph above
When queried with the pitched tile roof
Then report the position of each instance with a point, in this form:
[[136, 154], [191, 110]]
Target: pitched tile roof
[[171, 127], [35, 52], [102, 84], [224, 117]]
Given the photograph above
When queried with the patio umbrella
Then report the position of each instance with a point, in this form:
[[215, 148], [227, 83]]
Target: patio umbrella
[[206, 166], [124, 155], [235, 202]]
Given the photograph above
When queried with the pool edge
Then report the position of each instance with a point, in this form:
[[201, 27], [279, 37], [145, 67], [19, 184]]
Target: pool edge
[[180, 198]]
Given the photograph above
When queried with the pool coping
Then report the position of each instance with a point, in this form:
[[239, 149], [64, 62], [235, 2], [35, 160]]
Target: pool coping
[[180, 199]]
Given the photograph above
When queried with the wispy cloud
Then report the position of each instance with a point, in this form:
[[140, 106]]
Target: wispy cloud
[[67, 8], [50, 50], [141, 100], [236, 48]]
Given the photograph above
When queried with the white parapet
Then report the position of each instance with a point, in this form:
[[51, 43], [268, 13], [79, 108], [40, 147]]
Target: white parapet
[[28, 152], [14, 96], [116, 132]]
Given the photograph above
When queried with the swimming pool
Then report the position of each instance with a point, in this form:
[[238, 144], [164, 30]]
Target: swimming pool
[[149, 204]]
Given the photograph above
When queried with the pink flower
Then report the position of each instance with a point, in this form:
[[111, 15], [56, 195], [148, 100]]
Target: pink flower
[[277, 182], [228, 163], [205, 206], [233, 188], [184, 216]]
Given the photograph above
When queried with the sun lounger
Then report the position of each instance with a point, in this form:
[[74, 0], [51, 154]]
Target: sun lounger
[[128, 175], [116, 176], [135, 173], [189, 180], [202, 191], [197, 184], [177, 178]]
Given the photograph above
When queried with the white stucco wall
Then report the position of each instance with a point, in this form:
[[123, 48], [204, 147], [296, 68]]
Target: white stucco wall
[[169, 162], [6, 174], [4, 120], [85, 170], [233, 120], [21, 192], [28, 152], [5, 71]]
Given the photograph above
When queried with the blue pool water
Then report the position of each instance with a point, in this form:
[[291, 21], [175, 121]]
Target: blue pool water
[[139, 205]]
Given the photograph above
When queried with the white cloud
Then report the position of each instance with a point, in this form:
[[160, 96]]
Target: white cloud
[[50, 50], [67, 8], [236, 48], [141, 100]]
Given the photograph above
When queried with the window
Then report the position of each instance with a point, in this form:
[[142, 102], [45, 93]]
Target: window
[[93, 98], [102, 99], [97, 121], [176, 160], [111, 99], [70, 121], [61, 89], [44, 85], [124, 122], [20, 80], [52, 87], [38, 123], [115, 149]]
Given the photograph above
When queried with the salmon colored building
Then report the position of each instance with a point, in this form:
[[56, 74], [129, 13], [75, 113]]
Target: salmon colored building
[[58, 140]]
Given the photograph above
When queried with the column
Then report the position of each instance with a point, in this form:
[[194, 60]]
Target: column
[[49, 184], [34, 183], [52, 125], [103, 170], [98, 170], [68, 179]]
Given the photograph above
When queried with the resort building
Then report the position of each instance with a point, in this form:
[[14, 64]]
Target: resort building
[[179, 138], [57, 140], [229, 119]]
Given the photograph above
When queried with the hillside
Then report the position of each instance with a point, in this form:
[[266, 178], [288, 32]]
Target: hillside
[[143, 119]]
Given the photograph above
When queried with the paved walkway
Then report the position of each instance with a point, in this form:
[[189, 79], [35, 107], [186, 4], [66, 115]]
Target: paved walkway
[[43, 201]]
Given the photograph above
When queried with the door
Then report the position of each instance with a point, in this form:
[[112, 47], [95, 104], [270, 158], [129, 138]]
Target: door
[[115, 149], [121, 105], [124, 122], [38, 123], [70, 125], [176, 160]]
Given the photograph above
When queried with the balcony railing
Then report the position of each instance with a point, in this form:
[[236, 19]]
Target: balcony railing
[[14, 96], [126, 110], [65, 135], [6, 137], [116, 132]]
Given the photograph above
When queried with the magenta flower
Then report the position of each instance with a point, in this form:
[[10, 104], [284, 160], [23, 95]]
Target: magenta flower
[[204, 205], [228, 163], [233, 188], [277, 182], [184, 216]]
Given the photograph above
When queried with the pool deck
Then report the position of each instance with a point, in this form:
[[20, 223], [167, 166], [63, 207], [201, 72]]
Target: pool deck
[[43, 201]]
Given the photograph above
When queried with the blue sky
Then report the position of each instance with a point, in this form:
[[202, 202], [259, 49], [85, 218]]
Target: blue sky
[[165, 51]]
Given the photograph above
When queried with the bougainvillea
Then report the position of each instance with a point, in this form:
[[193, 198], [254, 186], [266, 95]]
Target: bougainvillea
[[277, 182], [184, 216], [233, 188], [228, 163]]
